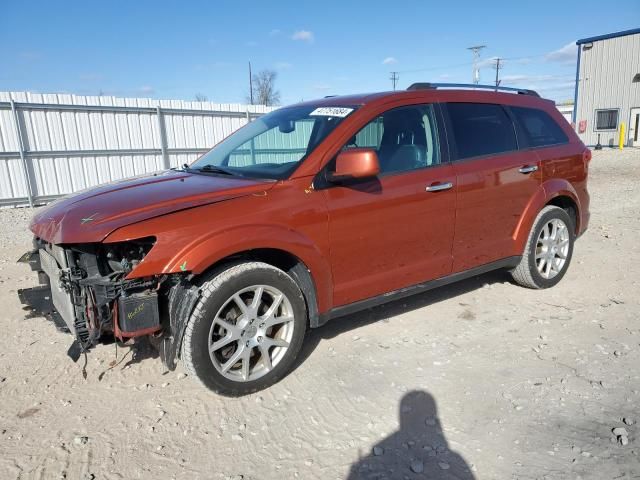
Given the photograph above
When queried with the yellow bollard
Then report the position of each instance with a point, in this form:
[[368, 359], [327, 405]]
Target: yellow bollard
[[621, 141]]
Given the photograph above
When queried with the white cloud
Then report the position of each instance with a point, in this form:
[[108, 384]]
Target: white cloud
[[566, 54], [322, 87], [91, 77], [30, 56], [283, 65], [303, 35], [534, 79], [544, 84], [275, 32], [488, 62], [211, 66], [147, 90], [523, 60], [389, 61], [251, 43]]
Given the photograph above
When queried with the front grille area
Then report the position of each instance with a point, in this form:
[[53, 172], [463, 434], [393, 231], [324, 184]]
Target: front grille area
[[85, 292], [54, 261]]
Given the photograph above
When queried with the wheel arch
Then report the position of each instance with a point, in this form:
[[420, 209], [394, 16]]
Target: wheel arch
[[280, 246], [556, 192], [279, 258], [570, 206]]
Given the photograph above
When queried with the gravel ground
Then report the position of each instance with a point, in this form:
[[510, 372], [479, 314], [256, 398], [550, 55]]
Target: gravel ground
[[479, 380]]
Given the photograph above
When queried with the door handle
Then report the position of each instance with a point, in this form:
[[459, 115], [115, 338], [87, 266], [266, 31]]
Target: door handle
[[439, 187], [528, 169]]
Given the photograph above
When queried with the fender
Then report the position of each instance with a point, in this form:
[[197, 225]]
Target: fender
[[549, 190], [199, 254]]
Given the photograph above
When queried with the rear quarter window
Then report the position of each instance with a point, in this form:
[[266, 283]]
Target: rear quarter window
[[538, 128], [481, 129]]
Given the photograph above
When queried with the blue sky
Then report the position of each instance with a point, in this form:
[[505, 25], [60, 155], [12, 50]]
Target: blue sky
[[171, 49]]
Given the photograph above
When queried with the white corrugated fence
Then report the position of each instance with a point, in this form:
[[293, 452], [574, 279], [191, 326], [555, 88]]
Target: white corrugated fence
[[55, 144]]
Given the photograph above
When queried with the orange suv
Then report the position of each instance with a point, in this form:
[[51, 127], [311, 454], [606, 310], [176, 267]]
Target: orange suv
[[312, 212]]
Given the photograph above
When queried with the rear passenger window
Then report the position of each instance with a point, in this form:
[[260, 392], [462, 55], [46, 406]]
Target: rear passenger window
[[539, 128], [481, 129]]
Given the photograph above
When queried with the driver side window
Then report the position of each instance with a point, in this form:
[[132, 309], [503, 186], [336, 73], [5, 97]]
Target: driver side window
[[404, 138]]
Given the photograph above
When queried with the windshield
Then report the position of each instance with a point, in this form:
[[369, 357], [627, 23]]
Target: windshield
[[273, 145]]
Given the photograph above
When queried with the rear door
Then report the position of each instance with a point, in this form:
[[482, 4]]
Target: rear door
[[395, 230], [495, 182]]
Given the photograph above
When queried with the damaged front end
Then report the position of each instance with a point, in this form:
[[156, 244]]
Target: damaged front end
[[88, 289]]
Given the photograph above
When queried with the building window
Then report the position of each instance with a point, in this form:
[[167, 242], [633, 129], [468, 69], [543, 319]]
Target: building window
[[607, 119], [636, 78]]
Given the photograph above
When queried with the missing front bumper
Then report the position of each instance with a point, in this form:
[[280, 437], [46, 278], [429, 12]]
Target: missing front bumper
[[87, 302]]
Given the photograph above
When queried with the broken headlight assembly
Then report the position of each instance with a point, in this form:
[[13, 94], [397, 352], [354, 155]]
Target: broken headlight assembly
[[123, 257]]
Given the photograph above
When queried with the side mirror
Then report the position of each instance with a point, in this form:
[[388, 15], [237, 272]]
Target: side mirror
[[355, 163]]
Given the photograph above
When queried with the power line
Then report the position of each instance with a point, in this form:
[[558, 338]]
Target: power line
[[466, 64], [394, 79], [435, 68]]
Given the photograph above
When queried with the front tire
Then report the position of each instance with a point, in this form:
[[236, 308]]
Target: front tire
[[548, 250], [246, 330]]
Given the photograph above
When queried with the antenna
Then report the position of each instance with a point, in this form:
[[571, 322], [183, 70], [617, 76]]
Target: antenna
[[476, 56], [394, 79]]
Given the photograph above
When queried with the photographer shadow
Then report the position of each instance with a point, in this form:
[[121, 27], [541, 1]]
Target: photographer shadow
[[419, 449]]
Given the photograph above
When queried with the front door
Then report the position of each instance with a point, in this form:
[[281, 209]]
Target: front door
[[395, 230]]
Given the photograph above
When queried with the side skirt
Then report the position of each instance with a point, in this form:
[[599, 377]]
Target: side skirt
[[509, 262]]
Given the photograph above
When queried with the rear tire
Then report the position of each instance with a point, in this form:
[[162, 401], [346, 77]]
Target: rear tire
[[548, 251], [246, 330]]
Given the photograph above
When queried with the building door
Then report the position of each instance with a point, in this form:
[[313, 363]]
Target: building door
[[634, 127]]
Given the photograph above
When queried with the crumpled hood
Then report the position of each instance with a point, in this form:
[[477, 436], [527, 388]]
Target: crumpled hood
[[91, 215]]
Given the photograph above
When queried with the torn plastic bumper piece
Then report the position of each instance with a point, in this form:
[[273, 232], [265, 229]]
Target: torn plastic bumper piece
[[182, 300]]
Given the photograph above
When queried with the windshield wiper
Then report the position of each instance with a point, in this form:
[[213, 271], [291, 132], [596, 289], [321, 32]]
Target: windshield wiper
[[210, 169]]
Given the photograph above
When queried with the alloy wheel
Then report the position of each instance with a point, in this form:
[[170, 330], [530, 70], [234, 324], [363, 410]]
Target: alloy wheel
[[552, 248], [251, 333]]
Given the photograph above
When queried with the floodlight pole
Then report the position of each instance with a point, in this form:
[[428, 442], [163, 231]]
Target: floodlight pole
[[476, 56], [250, 85]]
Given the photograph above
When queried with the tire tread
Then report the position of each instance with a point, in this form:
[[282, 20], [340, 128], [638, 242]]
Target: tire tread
[[209, 288], [522, 273]]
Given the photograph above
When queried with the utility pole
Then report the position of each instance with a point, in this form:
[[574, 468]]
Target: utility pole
[[497, 66], [476, 56], [394, 79], [250, 84]]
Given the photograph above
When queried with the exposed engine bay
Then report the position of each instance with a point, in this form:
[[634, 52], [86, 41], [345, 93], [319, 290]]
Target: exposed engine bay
[[89, 290]]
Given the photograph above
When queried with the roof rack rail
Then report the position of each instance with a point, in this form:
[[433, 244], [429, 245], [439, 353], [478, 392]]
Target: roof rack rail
[[427, 86]]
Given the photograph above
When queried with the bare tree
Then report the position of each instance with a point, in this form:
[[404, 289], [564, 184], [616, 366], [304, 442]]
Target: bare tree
[[201, 97], [264, 90]]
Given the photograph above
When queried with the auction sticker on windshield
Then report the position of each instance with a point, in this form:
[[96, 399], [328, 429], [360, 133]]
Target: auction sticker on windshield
[[331, 112]]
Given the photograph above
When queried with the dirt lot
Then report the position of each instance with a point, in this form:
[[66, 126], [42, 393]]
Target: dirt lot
[[481, 380]]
